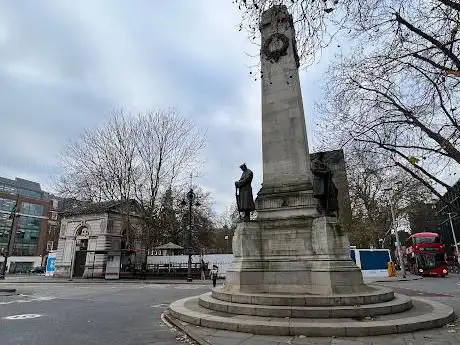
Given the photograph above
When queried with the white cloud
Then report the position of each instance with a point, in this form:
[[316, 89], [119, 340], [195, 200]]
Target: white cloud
[[66, 65], [249, 120]]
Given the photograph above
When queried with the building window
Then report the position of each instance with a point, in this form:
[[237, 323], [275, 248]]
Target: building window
[[26, 242], [32, 209], [6, 205], [21, 267], [30, 193], [7, 189]]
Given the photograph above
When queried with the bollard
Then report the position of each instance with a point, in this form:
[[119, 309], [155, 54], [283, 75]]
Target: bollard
[[391, 269]]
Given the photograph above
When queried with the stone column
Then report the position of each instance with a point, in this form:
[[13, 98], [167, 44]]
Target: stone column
[[287, 177], [284, 138]]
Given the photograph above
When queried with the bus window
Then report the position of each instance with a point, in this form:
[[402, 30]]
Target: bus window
[[419, 240], [426, 261]]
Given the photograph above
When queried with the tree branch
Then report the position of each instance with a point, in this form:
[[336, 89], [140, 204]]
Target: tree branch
[[452, 4], [430, 39]]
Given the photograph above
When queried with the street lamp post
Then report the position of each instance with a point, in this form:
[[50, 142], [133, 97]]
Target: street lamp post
[[191, 196], [9, 248], [226, 240], [453, 235], [398, 245]]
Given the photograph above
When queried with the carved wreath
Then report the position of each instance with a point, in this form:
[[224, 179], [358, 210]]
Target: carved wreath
[[276, 54]]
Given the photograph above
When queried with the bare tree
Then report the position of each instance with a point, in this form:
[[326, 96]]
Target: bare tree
[[132, 158], [394, 88], [203, 218], [100, 164], [368, 180], [229, 216], [315, 25], [398, 95], [168, 148]]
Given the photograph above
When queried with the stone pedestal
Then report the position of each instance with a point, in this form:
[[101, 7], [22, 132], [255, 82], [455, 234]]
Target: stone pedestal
[[246, 271], [332, 270], [302, 255]]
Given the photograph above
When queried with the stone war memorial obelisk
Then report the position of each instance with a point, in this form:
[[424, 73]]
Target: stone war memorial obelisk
[[292, 273]]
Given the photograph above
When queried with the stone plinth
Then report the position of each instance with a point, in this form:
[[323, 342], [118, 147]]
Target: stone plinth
[[246, 271], [332, 270], [301, 255]]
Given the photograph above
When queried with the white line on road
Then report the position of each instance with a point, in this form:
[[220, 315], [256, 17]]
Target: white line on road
[[22, 317], [189, 287], [38, 299], [162, 305], [169, 286]]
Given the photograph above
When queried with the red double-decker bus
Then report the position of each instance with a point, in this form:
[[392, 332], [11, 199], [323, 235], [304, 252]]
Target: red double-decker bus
[[426, 254]]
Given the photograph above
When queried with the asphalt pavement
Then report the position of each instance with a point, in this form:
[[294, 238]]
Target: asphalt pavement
[[130, 313], [67, 314]]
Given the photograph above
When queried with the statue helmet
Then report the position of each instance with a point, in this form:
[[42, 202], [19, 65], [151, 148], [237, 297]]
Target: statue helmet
[[243, 166]]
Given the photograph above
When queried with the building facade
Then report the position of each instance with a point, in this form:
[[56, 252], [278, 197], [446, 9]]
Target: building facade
[[434, 217], [89, 232], [27, 236], [450, 205]]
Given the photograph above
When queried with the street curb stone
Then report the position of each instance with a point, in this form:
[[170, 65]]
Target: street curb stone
[[439, 315], [192, 335]]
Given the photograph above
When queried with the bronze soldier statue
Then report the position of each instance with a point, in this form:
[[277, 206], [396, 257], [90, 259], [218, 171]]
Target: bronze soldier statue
[[244, 199], [323, 187]]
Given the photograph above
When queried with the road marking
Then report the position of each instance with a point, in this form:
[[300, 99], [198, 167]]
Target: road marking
[[22, 316], [189, 287], [175, 286], [162, 305], [37, 299], [155, 286]]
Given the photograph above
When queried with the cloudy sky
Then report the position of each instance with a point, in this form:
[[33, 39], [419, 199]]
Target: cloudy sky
[[65, 65]]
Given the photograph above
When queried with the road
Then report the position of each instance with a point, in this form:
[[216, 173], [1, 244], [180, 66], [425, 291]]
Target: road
[[445, 290], [130, 313], [68, 314]]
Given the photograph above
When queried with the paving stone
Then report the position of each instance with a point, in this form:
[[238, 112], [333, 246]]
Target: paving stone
[[255, 341], [224, 334], [389, 341], [280, 339], [341, 341], [223, 341], [310, 341]]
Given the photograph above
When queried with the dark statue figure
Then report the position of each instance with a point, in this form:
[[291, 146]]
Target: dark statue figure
[[323, 187], [244, 199]]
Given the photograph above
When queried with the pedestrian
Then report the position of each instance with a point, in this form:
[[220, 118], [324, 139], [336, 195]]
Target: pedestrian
[[214, 272], [202, 268]]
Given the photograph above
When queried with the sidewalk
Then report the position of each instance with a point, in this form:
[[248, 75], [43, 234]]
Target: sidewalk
[[448, 335]]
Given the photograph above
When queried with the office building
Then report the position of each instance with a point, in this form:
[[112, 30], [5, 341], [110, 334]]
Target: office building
[[28, 236]]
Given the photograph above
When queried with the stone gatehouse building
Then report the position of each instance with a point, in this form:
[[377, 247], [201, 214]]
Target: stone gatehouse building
[[90, 231]]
